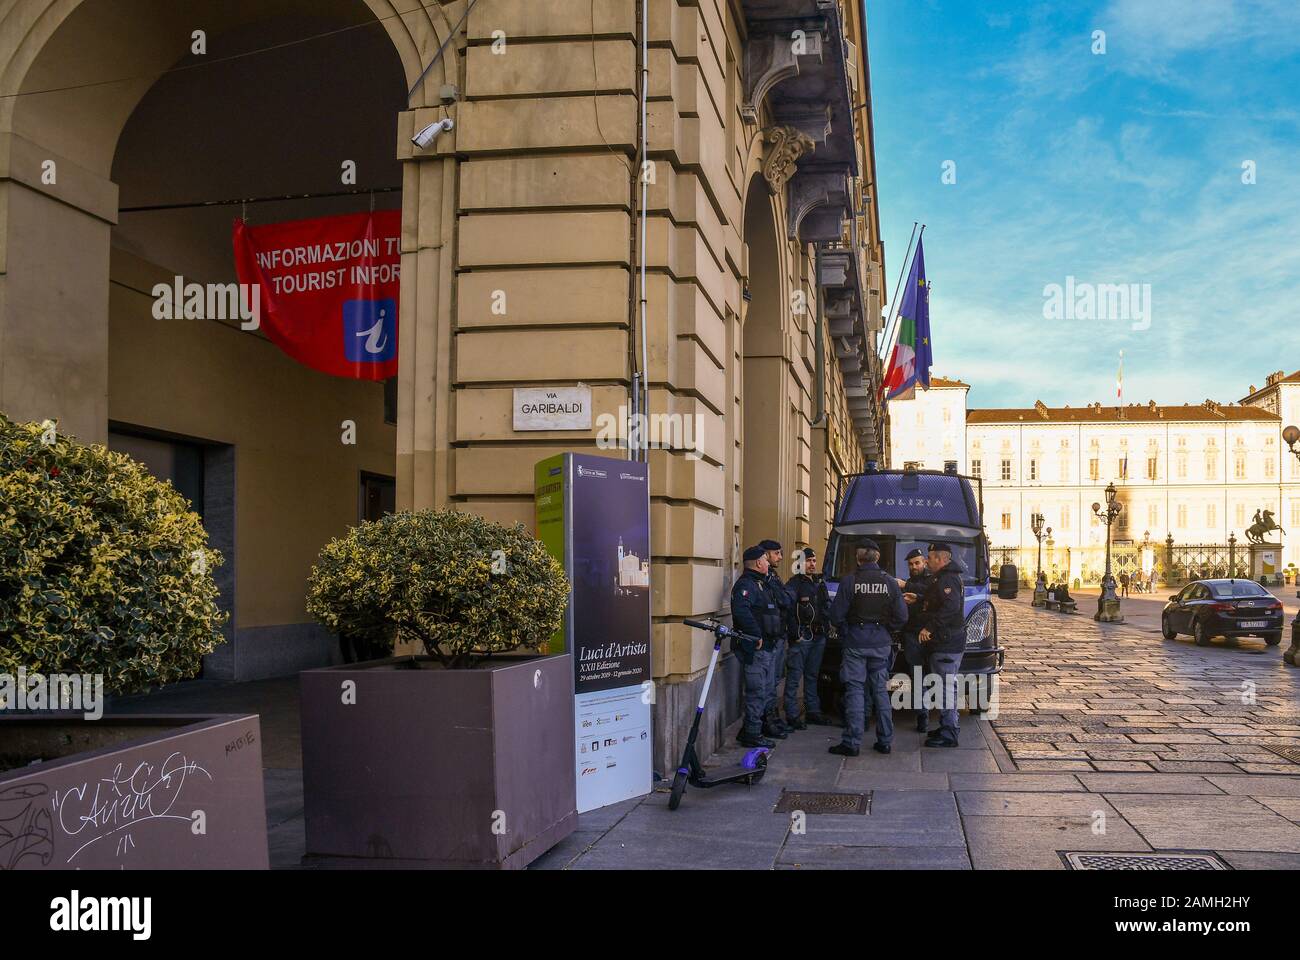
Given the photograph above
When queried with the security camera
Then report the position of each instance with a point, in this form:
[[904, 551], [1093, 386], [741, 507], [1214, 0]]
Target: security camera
[[430, 133]]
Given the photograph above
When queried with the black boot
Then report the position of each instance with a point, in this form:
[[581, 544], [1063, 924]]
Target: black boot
[[753, 740], [771, 729], [941, 739], [880, 747], [922, 722], [820, 720], [843, 750], [797, 724]]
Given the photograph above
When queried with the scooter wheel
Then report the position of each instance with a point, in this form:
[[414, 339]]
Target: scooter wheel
[[679, 787], [757, 775], [755, 758]]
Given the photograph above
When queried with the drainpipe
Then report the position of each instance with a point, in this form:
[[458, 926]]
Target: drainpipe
[[819, 394], [645, 188], [639, 388]]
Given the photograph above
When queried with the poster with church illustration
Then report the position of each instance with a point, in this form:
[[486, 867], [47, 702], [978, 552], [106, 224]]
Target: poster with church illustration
[[593, 514]]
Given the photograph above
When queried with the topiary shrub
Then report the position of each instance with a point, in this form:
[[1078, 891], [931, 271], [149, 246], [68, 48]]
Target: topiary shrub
[[462, 586], [104, 569]]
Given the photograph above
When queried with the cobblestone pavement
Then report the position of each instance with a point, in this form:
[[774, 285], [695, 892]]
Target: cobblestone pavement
[[1107, 738], [1083, 696]]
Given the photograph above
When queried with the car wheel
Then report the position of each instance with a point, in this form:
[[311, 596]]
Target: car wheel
[[1274, 638], [1169, 632], [1202, 638]]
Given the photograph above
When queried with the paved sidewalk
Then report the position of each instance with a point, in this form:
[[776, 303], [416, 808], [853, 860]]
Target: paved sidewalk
[[1107, 738]]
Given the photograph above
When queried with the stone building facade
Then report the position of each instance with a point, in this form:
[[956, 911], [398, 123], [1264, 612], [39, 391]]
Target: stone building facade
[[1196, 472], [521, 265]]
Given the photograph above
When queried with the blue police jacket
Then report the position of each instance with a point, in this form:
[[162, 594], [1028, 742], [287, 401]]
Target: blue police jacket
[[754, 612], [868, 607]]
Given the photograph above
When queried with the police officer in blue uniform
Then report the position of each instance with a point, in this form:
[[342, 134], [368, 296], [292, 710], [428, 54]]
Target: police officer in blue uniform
[[803, 661], [772, 725], [943, 636], [755, 613], [914, 589], [868, 607]]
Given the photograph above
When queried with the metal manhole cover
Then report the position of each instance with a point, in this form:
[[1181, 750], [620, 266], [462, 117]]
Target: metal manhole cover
[[792, 800], [1287, 753], [1143, 861]]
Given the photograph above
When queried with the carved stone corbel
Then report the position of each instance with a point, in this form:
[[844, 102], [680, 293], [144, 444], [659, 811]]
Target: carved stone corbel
[[787, 146], [769, 59], [807, 192]]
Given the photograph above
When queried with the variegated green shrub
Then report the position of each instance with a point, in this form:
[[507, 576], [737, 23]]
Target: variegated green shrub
[[103, 568], [461, 586]]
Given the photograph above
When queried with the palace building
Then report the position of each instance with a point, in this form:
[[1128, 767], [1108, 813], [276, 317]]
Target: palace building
[[1196, 473], [133, 134]]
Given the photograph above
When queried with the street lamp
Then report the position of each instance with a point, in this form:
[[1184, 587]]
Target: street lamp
[[1291, 434], [1108, 602], [1040, 582]]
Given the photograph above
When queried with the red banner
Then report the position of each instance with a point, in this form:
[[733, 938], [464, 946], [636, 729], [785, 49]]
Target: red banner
[[327, 289]]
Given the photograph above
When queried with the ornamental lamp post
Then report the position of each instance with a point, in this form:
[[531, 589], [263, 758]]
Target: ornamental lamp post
[[1291, 434], [1108, 602], [1040, 581]]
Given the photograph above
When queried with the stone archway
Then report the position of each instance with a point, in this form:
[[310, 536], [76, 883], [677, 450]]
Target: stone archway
[[767, 479], [77, 76], [71, 74]]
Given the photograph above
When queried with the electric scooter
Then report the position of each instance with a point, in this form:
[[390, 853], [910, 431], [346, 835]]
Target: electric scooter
[[754, 763]]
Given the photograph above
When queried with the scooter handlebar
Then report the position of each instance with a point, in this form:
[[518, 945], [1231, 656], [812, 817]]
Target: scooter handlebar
[[720, 629]]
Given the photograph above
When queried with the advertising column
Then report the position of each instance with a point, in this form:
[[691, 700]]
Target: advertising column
[[593, 514]]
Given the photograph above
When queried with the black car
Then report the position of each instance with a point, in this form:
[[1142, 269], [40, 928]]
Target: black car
[[1223, 608]]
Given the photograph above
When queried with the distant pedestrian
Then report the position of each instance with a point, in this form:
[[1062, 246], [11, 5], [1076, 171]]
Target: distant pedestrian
[[1123, 584]]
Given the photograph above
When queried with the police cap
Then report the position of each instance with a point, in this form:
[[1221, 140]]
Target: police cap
[[769, 544], [940, 545], [808, 553], [868, 544], [914, 554], [753, 553]]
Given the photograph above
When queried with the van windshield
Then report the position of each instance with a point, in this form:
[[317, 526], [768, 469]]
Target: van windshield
[[893, 553]]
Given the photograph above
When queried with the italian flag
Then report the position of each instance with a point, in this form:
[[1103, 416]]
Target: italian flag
[[909, 364]]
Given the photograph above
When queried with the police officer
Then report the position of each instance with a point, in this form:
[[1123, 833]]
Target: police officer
[[812, 607], [772, 725], [868, 607], [943, 636], [914, 588], [755, 613]]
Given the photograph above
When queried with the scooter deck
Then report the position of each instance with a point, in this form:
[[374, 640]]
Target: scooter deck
[[728, 774]]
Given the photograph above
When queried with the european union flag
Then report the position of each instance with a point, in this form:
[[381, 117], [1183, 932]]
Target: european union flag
[[909, 364]]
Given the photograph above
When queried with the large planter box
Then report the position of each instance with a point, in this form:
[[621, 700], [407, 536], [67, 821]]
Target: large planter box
[[132, 792], [409, 765]]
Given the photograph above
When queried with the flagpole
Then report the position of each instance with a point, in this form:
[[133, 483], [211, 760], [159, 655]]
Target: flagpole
[[890, 328]]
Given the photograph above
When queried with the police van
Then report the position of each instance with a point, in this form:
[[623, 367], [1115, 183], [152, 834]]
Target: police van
[[903, 510]]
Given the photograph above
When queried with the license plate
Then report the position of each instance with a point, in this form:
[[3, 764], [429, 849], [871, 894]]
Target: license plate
[[1253, 623]]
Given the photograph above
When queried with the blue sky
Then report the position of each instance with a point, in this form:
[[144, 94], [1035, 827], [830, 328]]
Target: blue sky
[[1119, 168]]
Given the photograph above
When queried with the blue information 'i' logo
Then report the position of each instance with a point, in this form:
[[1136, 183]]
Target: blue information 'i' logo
[[369, 330]]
